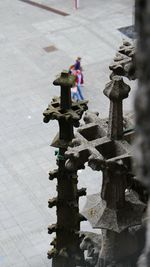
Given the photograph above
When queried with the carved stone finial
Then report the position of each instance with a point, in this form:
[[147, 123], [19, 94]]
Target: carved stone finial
[[65, 79], [116, 90]]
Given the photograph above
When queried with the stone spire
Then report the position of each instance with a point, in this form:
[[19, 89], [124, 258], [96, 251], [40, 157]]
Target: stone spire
[[66, 251], [116, 90]]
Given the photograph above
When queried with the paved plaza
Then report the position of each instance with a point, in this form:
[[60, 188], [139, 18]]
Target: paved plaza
[[36, 44]]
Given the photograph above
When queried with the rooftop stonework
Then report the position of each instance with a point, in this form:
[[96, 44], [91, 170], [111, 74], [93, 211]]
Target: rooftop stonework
[[116, 90]]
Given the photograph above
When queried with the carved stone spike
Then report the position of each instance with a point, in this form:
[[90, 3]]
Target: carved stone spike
[[67, 228], [124, 61], [66, 81], [116, 90]]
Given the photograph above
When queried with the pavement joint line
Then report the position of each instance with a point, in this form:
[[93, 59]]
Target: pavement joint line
[[58, 12]]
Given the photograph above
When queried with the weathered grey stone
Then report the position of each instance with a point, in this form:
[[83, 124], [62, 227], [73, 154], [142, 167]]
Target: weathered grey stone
[[124, 61], [66, 251], [142, 105], [116, 90]]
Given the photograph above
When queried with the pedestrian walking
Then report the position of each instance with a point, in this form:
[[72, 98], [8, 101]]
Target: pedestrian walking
[[79, 82], [77, 64], [75, 94], [72, 70]]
